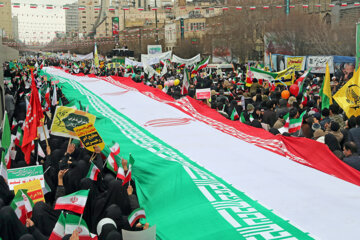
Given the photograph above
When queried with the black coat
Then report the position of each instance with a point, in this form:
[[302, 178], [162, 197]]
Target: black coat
[[269, 117], [353, 161], [354, 135]]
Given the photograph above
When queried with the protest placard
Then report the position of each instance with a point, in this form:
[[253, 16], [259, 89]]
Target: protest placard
[[43, 135], [89, 137], [203, 93], [26, 174], [34, 190], [66, 119], [148, 234]]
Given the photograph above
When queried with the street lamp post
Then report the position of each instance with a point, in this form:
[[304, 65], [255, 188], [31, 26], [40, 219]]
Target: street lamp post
[[156, 23]]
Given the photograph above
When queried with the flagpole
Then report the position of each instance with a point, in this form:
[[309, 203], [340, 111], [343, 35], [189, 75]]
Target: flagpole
[[47, 143], [80, 219], [105, 162], [47, 169], [92, 156]]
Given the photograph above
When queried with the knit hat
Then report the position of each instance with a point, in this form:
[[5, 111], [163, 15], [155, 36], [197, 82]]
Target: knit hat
[[250, 107]]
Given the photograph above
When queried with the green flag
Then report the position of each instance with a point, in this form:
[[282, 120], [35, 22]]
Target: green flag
[[234, 115], [11, 65], [242, 117], [131, 159], [325, 91], [6, 136]]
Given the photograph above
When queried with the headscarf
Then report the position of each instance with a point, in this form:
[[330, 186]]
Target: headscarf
[[85, 184], [10, 226], [5, 194], [44, 217], [116, 194], [72, 178]]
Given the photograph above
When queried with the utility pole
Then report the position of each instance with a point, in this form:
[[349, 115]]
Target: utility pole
[[124, 19], [140, 40], [156, 23]]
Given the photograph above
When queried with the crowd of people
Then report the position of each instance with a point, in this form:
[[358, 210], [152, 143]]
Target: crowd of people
[[65, 165], [258, 103]]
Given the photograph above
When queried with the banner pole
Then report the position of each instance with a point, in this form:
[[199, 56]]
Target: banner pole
[[69, 142], [47, 143]]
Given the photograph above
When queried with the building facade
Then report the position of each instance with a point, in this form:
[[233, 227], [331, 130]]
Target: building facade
[[170, 35], [72, 19], [89, 12], [15, 27], [6, 19]]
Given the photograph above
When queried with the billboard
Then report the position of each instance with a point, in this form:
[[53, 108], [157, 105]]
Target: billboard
[[221, 55], [297, 62], [154, 49], [281, 43], [344, 67], [115, 26], [318, 64]]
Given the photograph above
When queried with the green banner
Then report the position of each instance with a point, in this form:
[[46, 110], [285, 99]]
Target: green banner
[[183, 199], [26, 174]]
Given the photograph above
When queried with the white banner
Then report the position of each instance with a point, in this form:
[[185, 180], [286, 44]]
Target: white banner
[[129, 62], [151, 59], [187, 62], [150, 71], [83, 57], [318, 63]]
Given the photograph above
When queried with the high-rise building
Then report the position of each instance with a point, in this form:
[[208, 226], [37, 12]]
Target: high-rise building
[[15, 27], [72, 19], [5, 19], [345, 13], [89, 13]]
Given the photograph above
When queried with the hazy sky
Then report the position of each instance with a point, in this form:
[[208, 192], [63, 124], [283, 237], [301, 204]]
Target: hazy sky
[[40, 24]]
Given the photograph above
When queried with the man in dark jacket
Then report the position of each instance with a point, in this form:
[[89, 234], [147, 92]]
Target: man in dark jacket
[[351, 156], [282, 109], [354, 133], [269, 116]]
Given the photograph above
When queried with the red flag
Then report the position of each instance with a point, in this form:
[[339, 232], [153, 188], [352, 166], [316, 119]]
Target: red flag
[[33, 116]]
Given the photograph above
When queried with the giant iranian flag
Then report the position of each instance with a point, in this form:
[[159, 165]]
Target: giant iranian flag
[[206, 177]]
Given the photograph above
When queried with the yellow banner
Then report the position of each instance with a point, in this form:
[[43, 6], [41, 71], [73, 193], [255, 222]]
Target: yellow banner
[[89, 137], [285, 77], [348, 97], [96, 57], [66, 119], [113, 65], [34, 190], [295, 62]]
